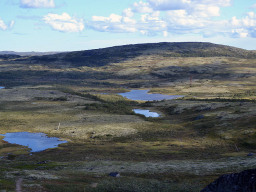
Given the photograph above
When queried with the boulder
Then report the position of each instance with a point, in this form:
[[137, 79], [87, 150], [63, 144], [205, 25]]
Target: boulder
[[244, 181], [114, 174], [199, 117]]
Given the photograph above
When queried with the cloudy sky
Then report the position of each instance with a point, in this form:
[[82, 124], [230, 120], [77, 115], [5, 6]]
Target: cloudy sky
[[66, 25]]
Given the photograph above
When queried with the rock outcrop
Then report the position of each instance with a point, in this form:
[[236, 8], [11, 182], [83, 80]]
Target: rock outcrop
[[244, 181]]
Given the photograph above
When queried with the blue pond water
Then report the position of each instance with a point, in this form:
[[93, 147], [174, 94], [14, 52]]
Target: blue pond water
[[146, 113], [35, 141], [1, 87], [143, 95]]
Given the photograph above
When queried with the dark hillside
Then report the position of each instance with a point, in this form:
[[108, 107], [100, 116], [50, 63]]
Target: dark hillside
[[102, 57], [151, 64], [9, 56], [32, 53]]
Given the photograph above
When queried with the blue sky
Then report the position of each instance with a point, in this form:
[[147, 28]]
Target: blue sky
[[69, 25]]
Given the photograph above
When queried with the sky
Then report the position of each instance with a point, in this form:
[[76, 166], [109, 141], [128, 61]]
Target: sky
[[70, 25]]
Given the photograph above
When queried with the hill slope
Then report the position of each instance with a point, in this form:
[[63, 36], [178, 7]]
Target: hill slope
[[26, 53], [101, 57], [213, 70], [207, 133]]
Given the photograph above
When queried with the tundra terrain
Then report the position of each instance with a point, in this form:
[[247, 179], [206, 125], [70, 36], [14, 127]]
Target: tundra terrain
[[74, 96]]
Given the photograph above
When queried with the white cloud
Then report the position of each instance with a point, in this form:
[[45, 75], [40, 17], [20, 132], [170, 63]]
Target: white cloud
[[169, 4], [175, 17], [165, 5], [150, 17], [221, 3], [189, 16], [37, 3], [64, 22], [152, 23], [128, 12], [244, 27], [3, 26], [239, 33], [114, 23], [202, 10], [142, 7], [99, 18], [128, 20], [180, 22], [113, 18], [165, 33], [144, 32], [253, 6], [11, 24], [235, 22]]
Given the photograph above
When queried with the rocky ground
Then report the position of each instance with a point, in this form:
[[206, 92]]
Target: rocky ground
[[190, 145], [209, 132]]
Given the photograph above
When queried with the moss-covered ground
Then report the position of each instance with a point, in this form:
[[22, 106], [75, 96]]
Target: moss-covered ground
[[192, 143], [207, 133]]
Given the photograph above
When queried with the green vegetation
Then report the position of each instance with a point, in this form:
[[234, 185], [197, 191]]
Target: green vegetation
[[7, 184], [73, 96]]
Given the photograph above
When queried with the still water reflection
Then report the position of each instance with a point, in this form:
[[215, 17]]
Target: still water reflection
[[143, 95], [146, 113], [35, 141]]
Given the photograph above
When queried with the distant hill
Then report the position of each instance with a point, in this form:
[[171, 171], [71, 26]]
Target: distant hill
[[134, 65], [26, 53], [104, 56]]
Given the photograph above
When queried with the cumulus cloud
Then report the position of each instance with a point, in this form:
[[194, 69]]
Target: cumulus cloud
[[64, 22], [221, 3], [3, 26], [205, 11], [201, 8], [162, 16], [152, 24], [239, 33], [179, 16], [180, 19], [168, 17], [148, 24], [244, 27], [168, 4], [114, 23], [37, 3], [142, 7], [165, 5], [12, 24], [165, 33], [128, 12]]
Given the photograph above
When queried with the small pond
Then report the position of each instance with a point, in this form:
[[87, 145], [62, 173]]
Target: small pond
[[2, 87], [35, 141], [143, 95], [146, 113]]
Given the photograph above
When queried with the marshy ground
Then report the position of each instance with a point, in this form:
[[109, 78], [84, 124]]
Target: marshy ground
[[191, 144], [196, 139]]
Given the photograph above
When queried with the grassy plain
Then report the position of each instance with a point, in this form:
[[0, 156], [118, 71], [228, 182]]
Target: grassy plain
[[207, 133]]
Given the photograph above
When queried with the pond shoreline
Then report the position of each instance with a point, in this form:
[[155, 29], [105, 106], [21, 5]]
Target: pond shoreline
[[146, 113], [35, 141], [143, 95]]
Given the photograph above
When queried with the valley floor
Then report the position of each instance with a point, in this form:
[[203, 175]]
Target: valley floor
[[195, 140]]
